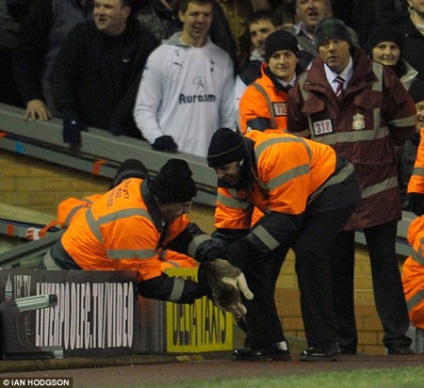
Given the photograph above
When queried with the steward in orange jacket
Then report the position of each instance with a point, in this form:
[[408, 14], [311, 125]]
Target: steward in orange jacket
[[69, 208], [137, 225], [306, 192], [413, 273], [263, 105], [416, 182]]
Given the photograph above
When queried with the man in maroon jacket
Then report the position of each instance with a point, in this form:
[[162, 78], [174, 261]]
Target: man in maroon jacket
[[363, 111]]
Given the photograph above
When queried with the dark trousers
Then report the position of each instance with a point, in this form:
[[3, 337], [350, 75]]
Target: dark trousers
[[387, 285], [263, 325], [8, 90], [311, 247]]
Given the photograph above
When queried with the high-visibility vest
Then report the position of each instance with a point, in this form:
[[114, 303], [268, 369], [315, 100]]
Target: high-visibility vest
[[120, 232], [416, 182], [290, 170]]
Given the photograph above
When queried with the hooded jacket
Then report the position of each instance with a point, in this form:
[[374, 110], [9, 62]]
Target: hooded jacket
[[375, 115]]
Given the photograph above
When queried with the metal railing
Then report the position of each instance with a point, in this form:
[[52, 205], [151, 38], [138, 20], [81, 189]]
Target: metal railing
[[100, 152]]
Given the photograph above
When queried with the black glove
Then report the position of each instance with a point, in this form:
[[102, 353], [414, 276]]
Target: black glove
[[416, 203], [72, 131], [165, 143], [238, 253]]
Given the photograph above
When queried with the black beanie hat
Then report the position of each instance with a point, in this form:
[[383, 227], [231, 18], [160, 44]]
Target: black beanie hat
[[280, 40], [130, 168], [331, 28], [226, 146], [385, 33], [174, 182]]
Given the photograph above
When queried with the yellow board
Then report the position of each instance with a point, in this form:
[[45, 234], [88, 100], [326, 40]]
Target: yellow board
[[198, 327]]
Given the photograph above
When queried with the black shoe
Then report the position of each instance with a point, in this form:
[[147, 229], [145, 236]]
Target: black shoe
[[327, 353], [401, 350], [276, 352]]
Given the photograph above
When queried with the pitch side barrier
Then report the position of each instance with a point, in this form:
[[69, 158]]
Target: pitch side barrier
[[101, 153]]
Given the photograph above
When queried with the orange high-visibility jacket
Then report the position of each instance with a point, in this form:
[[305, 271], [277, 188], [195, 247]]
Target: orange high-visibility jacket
[[123, 230], [416, 183], [413, 273], [263, 106], [68, 209], [289, 170]]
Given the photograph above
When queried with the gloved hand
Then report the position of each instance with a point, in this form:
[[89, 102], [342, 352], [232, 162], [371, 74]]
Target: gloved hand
[[165, 143], [238, 253], [416, 203], [72, 131], [227, 284]]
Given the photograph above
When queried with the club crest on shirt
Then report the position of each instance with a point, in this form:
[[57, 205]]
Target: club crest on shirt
[[200, 83], [358, 122], [198, 92]]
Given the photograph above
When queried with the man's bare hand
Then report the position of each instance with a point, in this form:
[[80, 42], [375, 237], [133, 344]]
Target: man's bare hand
[[37, 109]]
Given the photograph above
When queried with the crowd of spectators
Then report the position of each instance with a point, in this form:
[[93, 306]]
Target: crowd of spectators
[[32, 34]]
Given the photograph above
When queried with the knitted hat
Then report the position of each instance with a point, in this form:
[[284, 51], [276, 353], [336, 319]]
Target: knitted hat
[[331, 28], [280, 40], [226, 146], [385, 33], [417, 90], [131, 168], [174, 182]]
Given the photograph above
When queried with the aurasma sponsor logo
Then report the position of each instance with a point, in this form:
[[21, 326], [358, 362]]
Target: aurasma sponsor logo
[[194, 98]]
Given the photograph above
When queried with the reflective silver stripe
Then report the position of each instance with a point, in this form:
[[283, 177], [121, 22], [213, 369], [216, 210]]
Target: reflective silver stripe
[[353, 137], [173, 263], [261, 90], [302, 80], [419, 171], [289, 175], [49, 263], [417, 256], [232, 202], [377, 118], [405, 122], [417, 298], [334, 180], [264, 145], [92, 224], [307, 148], [123, 214], [130, 253], [177, 290], [377, 68], [72, 213], [263, 235], [194, 244], [387, 184]]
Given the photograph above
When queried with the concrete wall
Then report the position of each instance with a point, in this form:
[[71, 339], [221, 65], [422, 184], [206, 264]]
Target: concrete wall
[[37, 185]]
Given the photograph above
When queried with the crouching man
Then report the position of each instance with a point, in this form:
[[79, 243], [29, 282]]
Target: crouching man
[[141, 224]]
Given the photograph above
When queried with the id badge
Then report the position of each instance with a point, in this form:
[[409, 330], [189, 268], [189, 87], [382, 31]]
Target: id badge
[[323, 127]]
